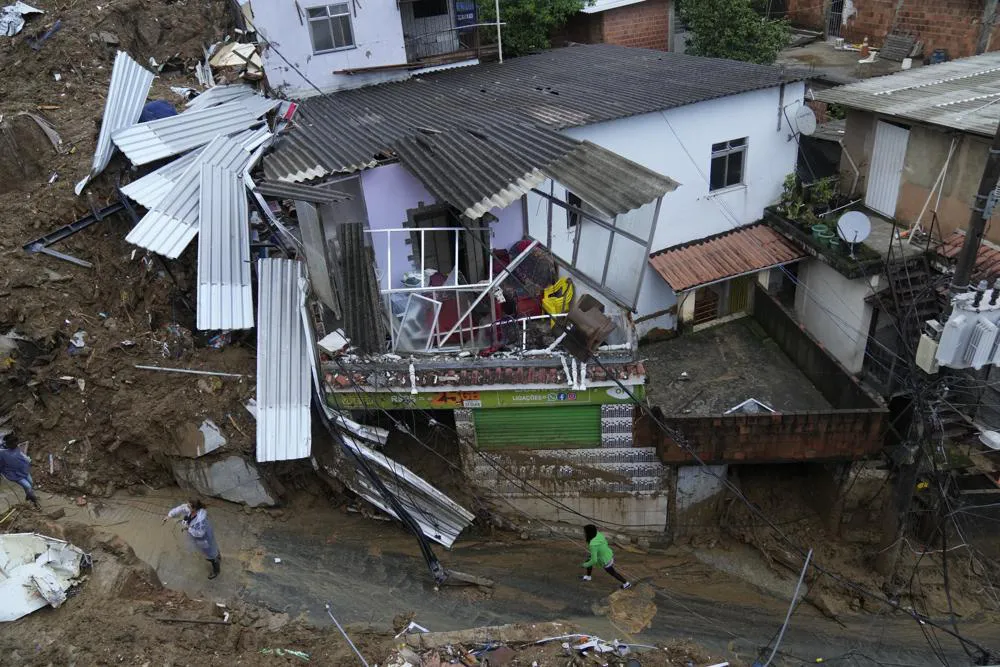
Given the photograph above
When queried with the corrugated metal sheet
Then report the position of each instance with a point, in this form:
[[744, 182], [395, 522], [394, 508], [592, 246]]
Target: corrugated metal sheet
[[162, 138], [150, 190], [317, 194], [283, 388], [225, 296], [886, 170], [440, 518], [723, 256], [604, 5], [218, 95], [130, 84], [477, 172], [171, 225], [539, 427], [559, 88], [959, 94]]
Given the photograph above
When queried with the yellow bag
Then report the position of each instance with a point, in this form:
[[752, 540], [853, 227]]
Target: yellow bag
[[557, 297]]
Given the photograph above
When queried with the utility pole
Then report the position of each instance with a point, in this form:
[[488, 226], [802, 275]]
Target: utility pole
[[982, 210]]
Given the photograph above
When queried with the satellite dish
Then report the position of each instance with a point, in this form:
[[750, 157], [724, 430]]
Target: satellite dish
[[854, 227], [805, 121], [990, 438]]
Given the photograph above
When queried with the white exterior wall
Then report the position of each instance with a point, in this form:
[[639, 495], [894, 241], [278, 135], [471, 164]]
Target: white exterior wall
[[378, 39], [833, 309], [691, 212]]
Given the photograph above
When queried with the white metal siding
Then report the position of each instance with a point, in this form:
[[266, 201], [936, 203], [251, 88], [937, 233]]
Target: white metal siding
[[130, 84], [886, 168], [225, 297], [283, 373]]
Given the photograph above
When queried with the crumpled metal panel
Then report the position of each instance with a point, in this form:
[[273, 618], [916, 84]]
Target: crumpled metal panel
[[130, 84], [162, 138], [283, 369], [225, 295], [218, 95], [316, 194], [150, 190], [171, 225]]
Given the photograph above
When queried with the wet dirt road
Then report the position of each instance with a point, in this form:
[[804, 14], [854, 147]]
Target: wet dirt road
[[370, 571]]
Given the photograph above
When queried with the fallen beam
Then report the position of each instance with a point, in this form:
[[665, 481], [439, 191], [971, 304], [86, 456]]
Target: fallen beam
[[514, 633]]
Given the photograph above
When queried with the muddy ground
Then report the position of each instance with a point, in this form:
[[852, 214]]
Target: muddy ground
[[104, 423]]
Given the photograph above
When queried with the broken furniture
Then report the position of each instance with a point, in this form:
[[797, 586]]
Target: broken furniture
[[588, 327]]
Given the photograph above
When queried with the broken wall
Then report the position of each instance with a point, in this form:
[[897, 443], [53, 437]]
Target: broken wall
[[698, 495]]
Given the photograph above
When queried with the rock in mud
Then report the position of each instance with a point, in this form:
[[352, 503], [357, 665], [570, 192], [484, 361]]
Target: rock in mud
[[232, 478]]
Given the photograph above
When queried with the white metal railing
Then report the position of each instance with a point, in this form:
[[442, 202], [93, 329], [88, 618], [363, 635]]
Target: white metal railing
[[455, 285]]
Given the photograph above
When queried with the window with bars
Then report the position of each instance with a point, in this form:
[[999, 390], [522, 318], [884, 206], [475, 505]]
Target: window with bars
[[728, 161], [330, 28]]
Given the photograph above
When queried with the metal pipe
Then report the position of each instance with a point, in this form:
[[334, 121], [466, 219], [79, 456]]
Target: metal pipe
[[496, 4], [186, 370], [854, 166], [938, 181], [353, 647], [791, 608]]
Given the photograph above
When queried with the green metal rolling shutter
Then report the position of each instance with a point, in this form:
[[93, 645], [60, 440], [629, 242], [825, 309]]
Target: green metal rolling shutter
[[551, 427]]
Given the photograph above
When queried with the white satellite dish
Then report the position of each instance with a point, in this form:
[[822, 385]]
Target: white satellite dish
[[990, 438], [805, 121], [854, 227]]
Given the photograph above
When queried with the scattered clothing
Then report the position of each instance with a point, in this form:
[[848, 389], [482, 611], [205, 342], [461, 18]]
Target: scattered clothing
[[16, 466]]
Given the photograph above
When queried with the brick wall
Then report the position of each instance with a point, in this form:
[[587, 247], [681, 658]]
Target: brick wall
[[808, 13], [644, 25], [940, 24], [836, 435]]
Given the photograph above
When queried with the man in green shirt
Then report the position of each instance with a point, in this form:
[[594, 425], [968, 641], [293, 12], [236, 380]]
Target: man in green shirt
[[600, 554]]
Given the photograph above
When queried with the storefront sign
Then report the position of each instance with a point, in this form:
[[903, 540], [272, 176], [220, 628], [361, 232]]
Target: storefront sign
[[465, 13], [507, 398]]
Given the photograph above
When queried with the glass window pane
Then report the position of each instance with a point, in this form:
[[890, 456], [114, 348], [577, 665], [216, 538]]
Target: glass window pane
[[338, 9], [718, 177], [738, 142], [321, 38], [719, 147], [735, 169], [343, 31], [316, 12]]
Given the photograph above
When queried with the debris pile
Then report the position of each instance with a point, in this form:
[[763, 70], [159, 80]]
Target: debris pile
[[536, 645], [36, 571]]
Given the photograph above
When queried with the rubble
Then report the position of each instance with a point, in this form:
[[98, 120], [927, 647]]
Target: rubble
[[12, 17], [36, 571], [232, 478]]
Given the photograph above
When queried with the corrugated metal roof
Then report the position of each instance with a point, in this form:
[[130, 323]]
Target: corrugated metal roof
[[477, 172], [318, 194], [218, 95], [155, 140], [987, 266], [960, 94], [831, 131], [559, 88], [168, 227], [150, 190], [739, 252], [225, 296], [604, 5], [130, 84], [283, 388]]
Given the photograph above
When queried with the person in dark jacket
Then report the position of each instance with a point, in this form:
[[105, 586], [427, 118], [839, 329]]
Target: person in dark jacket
[[16, 466], [194, 518], [601, 554]]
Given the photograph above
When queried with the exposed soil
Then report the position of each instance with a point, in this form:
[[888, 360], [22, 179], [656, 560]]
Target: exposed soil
[[103, 422]]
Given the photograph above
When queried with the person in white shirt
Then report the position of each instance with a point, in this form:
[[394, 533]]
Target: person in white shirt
[[194, 519]]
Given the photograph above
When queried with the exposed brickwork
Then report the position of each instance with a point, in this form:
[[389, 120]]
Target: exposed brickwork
[[643, 25], [940, 24], [778, 438]]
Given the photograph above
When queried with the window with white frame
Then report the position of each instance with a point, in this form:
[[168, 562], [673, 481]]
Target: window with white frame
[[728, 162], [330, 28]]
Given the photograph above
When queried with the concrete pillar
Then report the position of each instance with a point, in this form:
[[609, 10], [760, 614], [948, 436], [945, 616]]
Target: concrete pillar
[[465, 426], [685, 311]]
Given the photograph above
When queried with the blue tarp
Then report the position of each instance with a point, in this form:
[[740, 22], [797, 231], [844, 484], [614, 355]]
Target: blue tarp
[[157, 109]]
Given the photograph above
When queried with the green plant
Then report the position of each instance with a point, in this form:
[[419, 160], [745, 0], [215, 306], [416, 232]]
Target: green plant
[[528, 22], [792, 203], [732, 29], [821, 192]]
